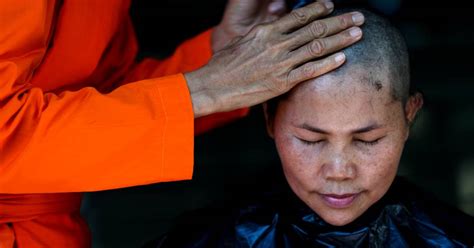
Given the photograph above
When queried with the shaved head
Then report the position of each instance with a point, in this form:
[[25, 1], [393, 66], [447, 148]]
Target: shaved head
[[381, 49], [381, 54]]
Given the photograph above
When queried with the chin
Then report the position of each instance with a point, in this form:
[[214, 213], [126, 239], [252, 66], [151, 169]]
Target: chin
[[338, 217], [342, 221]]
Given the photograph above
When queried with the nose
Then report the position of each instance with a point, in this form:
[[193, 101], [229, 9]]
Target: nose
[[339, 167]]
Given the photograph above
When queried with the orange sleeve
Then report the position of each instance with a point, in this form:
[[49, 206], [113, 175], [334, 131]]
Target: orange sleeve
[[136, 132], [189, 56], [83, 140]]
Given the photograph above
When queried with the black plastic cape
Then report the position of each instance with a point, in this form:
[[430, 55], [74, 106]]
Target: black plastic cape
[[404, 217]]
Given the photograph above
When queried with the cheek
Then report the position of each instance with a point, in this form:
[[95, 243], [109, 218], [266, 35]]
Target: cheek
[[299, 161], [380, 168]]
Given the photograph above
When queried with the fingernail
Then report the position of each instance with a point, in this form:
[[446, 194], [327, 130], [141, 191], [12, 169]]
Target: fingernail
[[358, 18], [329, 5], [276, 7], [355, 32], [340, 57]]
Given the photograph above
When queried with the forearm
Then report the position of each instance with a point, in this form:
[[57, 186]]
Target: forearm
[[84, 141]]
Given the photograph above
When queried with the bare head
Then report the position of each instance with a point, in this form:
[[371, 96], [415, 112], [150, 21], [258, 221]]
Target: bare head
[[340, 136]]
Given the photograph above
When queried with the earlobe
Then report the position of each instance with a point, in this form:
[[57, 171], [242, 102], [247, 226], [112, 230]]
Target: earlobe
[[413, 105], [268, 120]]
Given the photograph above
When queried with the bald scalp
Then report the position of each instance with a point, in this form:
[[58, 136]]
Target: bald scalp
[[382, 53]]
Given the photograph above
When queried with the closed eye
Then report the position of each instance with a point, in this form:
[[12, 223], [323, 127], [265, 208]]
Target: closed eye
[[369, 142], [309, 142]]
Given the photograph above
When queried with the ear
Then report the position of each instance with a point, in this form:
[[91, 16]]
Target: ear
[[268, 120], [414, 103]]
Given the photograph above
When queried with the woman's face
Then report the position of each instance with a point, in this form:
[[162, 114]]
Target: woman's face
[[340, 141]]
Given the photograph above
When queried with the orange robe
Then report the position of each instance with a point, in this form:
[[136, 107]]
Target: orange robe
[[77, 113]]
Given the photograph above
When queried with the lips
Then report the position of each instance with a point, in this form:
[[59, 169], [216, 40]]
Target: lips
[[339, 201]]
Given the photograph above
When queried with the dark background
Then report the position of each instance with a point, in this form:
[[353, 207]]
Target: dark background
[[439, 156]]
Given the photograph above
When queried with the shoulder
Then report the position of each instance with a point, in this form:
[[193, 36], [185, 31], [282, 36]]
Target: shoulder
[[433, 213]]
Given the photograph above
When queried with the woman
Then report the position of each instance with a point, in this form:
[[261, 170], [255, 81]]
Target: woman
[[340, 138]]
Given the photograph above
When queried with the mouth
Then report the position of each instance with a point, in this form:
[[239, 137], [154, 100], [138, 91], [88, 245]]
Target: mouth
[[339, 201]]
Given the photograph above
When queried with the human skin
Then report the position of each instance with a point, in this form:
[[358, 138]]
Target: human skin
[[242, 15], [271, 58], [340, 141]]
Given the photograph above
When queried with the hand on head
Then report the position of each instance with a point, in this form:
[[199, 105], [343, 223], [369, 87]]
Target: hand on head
[[272, 58]]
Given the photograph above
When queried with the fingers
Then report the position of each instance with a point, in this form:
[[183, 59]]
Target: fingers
[[302, 16], [321, 47], [315, 68], [325, 27]]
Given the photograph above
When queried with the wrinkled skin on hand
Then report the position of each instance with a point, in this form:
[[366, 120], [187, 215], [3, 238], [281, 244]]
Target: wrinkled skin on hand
[[241, 16], [272, 58]]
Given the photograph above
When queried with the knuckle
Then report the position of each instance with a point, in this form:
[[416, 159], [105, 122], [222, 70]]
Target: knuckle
[[292, 78], [289, 78], [281, 87], [278, 46], [281, 83], [261, 29], [343, 21], [275, 86], [286, 43], [307, 71], [316, 48], [284, 84], [318, 29], [273, 50], [300, 16]]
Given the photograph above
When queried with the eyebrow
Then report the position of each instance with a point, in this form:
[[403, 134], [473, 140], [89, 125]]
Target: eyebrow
[[368, 128]]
